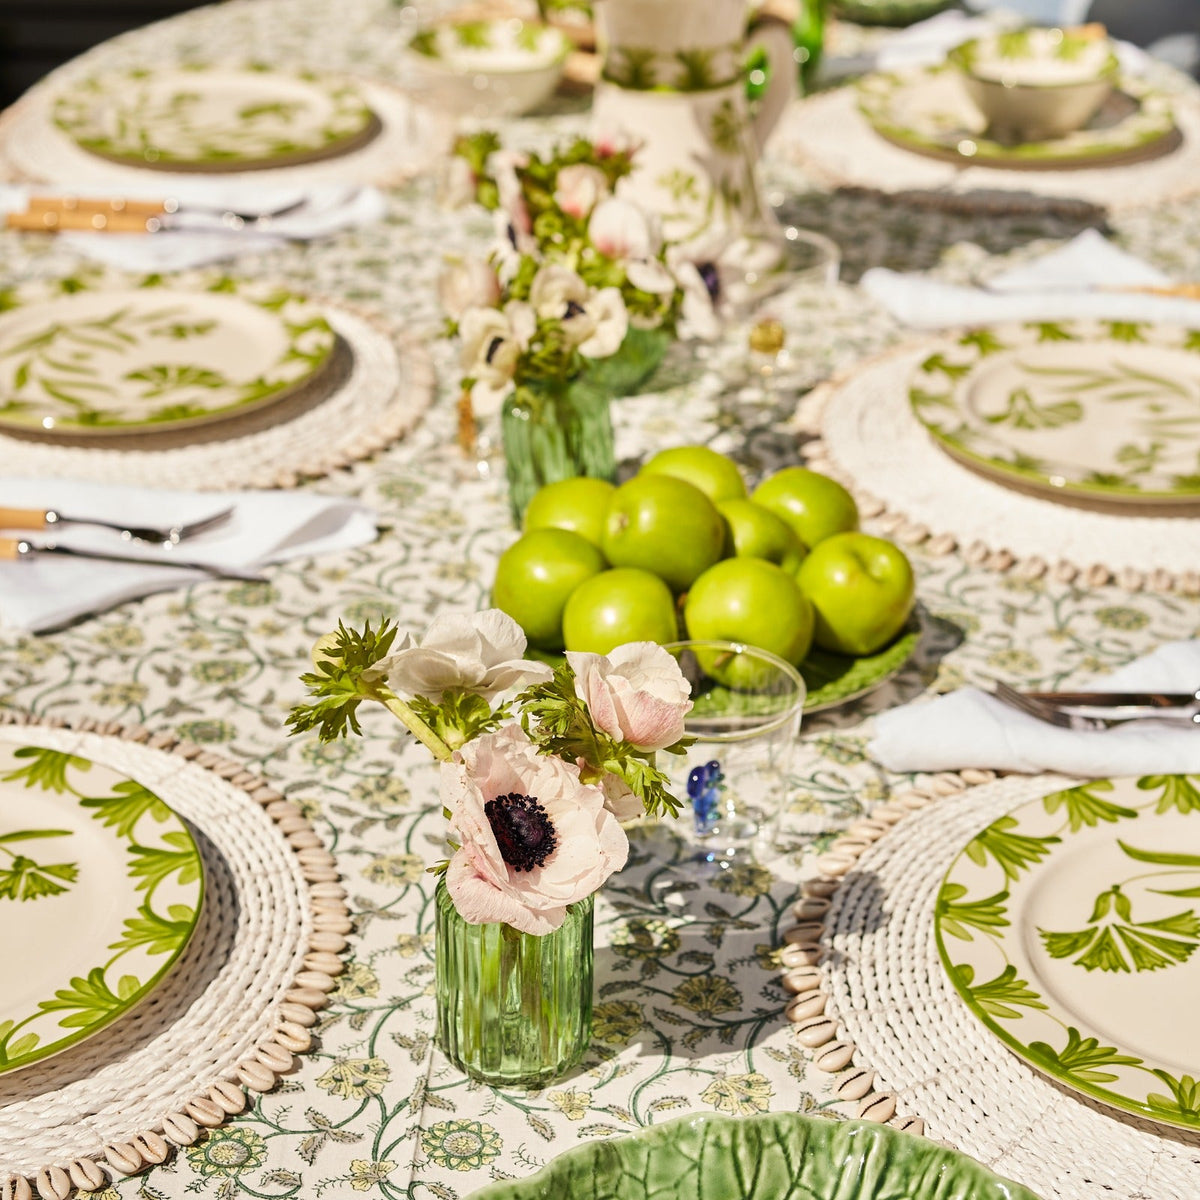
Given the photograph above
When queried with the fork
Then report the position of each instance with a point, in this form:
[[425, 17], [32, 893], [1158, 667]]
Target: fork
[[166, 535], [1045, 711]]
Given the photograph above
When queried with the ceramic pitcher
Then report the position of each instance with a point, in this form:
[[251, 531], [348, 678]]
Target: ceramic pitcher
[[673, 81]]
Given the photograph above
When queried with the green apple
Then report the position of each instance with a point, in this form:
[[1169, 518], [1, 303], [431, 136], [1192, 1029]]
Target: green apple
[[537, 574], [578, 504], [753, 601], [715, 475], [618, 606], [815, 506], [862, 590], [756, 532], [666, 525]]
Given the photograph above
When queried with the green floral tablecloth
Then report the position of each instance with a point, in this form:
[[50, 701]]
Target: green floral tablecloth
[[689, 1009]]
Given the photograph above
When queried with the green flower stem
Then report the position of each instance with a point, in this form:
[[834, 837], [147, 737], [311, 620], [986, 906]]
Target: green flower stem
[[409, 719]]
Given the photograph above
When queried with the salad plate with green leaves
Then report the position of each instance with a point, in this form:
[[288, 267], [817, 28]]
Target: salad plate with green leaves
[[101, 886], [207, 118], [1069, 927], [107, 362], [1095, 413]]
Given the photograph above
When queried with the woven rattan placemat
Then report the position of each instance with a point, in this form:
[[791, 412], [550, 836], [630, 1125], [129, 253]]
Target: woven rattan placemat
[[868, 437], [881, 1011], [377, 392], [232, 1012]]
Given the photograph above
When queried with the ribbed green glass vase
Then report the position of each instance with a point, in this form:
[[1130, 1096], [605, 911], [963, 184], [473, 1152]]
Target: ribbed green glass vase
[[513, 1009], [552, 432]]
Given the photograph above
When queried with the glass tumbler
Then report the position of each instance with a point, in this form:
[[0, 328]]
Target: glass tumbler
[[734, 779]]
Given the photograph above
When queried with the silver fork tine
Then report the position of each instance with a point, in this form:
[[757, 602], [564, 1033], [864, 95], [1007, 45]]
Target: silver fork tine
[[168, 535], [1043, 711]]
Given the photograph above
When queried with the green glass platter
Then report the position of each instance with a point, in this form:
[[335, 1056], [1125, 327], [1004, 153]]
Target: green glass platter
[[101, 887], [770, 1156], [1069, 927], [835, 679]]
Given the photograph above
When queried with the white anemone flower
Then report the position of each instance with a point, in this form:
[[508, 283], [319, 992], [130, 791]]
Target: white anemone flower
[[606, 309], [471, 652], [623, 231]]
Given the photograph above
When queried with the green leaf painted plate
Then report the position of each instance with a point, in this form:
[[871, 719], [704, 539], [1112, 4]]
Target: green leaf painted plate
[[1091, 412], [835, 679], [927, 111], [100, 891], [207, 118], [1070, 928], [769, 1156], [109, 362]]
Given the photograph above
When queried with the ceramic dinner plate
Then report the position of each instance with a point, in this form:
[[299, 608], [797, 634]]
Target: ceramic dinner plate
[[100, 890], [208, 118], [766, 1156], [928, 111], [114, 362], [1069, 927], [1089, 411]]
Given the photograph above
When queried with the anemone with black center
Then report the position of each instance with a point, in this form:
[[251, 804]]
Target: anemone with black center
[[523, 830]]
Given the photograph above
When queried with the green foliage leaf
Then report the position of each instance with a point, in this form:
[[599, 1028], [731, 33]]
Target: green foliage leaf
[[1085, 807], [1014, 852], [1178, 791], [128, 802], [1081, 1057], [998, 997], [158, 934], [954, 916], [46, 769], [90, 1001], [27, 880], [152, 864], [337, 683]]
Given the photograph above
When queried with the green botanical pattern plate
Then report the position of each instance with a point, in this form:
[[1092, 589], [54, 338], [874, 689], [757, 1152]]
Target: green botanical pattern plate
[[1070, 926], [888, 12], [167, 357], [491, 45], [1103, 410], [772, 1156], [213, 118], [100, 890], [928, 111], [835, 679]]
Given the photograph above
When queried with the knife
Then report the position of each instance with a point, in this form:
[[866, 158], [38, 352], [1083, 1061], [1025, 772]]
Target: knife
[[54, 214], [18, 549], [1118, 699]]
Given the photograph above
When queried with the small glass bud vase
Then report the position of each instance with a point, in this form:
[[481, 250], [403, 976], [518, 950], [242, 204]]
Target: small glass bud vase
[[555, 430], [513, 1009]]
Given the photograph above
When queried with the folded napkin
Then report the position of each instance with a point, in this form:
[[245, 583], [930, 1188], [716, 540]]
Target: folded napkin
[[969, 728], [266, 527], [198, 235], [1080, 279]]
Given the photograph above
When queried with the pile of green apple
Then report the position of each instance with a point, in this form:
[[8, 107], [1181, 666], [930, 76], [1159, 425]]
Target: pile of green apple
[[681, 550]]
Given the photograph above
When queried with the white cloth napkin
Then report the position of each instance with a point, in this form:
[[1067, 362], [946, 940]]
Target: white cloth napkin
[[269, 526], [1072, 281], [196, 235], [969, 728]]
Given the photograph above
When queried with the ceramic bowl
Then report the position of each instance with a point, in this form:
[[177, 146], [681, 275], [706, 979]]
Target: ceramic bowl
[[495, 66], [770, 1156], [1036, 84]]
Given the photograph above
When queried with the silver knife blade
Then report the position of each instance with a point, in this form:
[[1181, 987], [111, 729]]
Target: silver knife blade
[[29, 550], [1118, 699]]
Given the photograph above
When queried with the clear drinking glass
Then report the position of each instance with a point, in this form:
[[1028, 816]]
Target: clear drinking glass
[[734, 779]]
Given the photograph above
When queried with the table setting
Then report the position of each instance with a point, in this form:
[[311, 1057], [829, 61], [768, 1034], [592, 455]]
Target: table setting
[[579, 630]]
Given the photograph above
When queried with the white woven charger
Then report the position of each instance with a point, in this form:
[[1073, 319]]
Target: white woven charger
[[230, 1014], [870, 439], [828, 135], [410, 140], [888, 994], [389, 385]]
